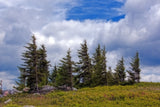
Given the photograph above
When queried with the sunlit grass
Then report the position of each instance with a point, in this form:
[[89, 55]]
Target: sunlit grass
[[140, 95]]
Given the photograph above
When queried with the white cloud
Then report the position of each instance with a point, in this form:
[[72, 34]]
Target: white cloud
[[121, 38], [151, 70], [139, 30], [7, 80], [150, 78], [112, 58], [20, 18], [10, 2], [150, 73], [2, 35], [41, 39]]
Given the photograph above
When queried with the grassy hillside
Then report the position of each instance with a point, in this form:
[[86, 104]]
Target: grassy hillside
[[138, 95]]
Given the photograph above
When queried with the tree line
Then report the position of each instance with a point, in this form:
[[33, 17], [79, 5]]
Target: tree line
[[86, 72]]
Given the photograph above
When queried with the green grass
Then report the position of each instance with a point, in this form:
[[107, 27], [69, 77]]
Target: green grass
[[138, 95]]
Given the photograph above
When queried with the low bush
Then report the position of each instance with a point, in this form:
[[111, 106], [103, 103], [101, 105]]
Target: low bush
[[140, 95]]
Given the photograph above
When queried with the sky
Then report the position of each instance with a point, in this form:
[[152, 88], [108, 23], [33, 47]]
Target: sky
[[123, 26]]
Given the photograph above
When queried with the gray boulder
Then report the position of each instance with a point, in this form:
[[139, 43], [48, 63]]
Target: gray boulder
[[7, 101]]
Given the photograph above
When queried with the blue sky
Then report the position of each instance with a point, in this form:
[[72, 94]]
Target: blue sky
[[123, 26], [96, 10]]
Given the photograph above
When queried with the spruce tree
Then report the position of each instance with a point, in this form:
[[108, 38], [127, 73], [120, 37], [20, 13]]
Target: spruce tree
[[53, 75], [84, 66], [30, 57], [22, 79], [104, 66], [120, 71], [134, 72], [99, 67], [64, 75], [110, 77], [34, 70], [43, 66]]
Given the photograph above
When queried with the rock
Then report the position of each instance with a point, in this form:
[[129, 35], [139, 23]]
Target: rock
[[26, 89], [66, 88], [74, 89], [63, 87], [5, 93], [47, 88], [14, 91], [9, 100], [36, 94]]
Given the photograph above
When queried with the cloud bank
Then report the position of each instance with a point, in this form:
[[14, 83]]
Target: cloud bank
[[7, 80], [137, 31]]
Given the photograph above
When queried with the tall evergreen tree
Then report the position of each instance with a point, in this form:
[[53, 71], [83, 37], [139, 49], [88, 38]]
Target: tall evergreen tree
[[104, 66], [22, 79], [64, 75], [34, 70], [99, 66], [134, 72], [110, 77], [53, 75], [84, 66], [120, 71], [43, 66], [30, 57]]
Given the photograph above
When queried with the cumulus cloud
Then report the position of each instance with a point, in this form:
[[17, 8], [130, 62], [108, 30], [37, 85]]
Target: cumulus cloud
[[151, 69], [150, 78], [149, 73], [137, 31], [1, 37], [7, 80], [20, 19], [112, 58]]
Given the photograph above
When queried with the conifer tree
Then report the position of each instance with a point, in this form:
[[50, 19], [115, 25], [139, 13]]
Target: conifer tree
[[30, 57], [120, 71], [64, 75], [22, 79], [84, 66], [104, 66], [134, 72], [131, 77], [54, 75], [110, 77], [99, 66], [34, 70], [43, 66]]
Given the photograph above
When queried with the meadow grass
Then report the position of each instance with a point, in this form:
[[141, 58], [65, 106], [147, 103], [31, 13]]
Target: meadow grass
[[138, 95]]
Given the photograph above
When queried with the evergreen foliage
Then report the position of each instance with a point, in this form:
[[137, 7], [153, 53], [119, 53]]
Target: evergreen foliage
[[104, 66], [64, 75], [110, 77], [43, 66], [30, 57], [120, 71], [99, 67], [34, 70], [83, 77], [134, 72], [22, 79], [53, 75]]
